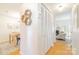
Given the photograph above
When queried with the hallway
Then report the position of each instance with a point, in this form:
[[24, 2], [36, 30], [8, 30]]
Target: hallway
[[31, 29], [60, 48]]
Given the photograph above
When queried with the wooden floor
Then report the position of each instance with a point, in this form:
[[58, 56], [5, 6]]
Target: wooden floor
[[60, 48], [15, 52]]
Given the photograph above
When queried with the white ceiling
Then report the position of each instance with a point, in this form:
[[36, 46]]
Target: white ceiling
[[10, 6], [16, 7], [11, 9], [53, 7]]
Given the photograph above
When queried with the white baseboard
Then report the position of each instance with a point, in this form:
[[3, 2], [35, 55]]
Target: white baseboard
[[74, 51], [2, 42]]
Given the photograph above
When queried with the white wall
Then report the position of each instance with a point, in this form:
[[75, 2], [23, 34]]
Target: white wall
[[33, 37], [46, 29], [75, 33], [6, 21], [29, 41]]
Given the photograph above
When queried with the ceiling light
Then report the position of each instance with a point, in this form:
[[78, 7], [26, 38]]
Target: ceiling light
[[61, 7]]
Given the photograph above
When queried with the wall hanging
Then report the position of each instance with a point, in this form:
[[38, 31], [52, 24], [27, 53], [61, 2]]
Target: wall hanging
[[26, 17]]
